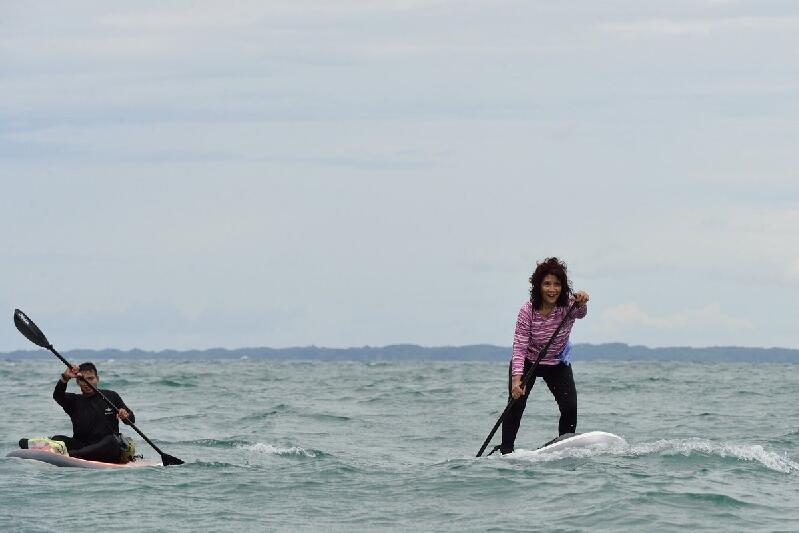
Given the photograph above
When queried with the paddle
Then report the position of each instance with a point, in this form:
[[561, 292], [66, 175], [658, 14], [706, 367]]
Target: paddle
[[527, 380], [26, 326]]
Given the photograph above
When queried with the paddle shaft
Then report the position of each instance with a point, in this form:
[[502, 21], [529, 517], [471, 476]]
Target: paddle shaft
[[528, 379], [109, 402]]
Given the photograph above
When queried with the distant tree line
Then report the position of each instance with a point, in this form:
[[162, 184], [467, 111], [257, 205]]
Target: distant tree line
[[413, 352]]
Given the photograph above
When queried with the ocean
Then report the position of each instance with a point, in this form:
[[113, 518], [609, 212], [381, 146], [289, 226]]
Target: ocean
[[389, 446]]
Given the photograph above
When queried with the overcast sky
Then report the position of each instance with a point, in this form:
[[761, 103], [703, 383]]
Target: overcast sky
[[286, 173]]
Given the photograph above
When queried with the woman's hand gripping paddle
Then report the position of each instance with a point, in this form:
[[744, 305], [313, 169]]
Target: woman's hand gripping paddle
[[527, 381], [26, 326]]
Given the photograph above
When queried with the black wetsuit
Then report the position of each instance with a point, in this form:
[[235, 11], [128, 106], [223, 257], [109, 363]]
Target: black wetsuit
[[95, 425], [560, 380]]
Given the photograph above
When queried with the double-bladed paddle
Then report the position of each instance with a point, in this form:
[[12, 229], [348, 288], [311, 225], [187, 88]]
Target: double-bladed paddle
[[26, 326], [527, 380]]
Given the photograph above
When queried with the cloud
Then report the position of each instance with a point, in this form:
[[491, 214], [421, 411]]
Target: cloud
[[625, 316], [183, 156], [216, 15], [179, 20], [701, 26], [792, 271]]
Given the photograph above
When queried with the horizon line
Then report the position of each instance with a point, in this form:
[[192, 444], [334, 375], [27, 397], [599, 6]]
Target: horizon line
[[404, 344]]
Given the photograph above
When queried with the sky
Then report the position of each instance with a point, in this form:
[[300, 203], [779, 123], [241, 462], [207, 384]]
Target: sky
[[195, 174]]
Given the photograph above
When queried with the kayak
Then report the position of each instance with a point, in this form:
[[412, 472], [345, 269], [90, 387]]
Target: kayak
[[62, 460]]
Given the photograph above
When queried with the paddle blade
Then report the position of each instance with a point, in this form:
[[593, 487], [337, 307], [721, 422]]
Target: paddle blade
[[169, 460], [26, 326]]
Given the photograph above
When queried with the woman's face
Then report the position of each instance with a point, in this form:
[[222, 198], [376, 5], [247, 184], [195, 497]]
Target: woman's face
[[550, 290]]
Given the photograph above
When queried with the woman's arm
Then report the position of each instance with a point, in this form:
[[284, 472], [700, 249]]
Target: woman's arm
[[521, 339], [581, 297]]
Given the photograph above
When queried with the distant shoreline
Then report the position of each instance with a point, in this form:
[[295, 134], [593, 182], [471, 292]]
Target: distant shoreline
[[412, 352]]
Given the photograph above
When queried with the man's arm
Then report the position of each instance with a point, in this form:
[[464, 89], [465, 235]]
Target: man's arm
[[60, 391], [124, 412]]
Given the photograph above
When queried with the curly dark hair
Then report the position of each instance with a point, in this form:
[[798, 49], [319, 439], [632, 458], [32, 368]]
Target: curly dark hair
[[556, 267]]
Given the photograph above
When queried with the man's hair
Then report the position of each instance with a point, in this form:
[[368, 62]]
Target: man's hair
[[88, 366]]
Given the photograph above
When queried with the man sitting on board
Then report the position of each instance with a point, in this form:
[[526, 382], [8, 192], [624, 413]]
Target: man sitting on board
[[95, 425]]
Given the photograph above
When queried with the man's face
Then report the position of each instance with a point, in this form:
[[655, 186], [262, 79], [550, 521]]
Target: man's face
[[88, 376]]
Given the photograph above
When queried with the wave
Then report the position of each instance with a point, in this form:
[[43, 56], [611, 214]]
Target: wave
[[215, 443], [324, 417], [175, 384], [744, 452], [671, 447], [269, 449], [566, 453], [264, 415]]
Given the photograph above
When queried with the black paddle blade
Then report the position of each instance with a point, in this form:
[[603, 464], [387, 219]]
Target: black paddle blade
[[169, 460], [26, 326]]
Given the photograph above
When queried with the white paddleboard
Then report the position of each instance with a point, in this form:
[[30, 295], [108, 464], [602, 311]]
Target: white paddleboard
[[61, 460], [592, 439]]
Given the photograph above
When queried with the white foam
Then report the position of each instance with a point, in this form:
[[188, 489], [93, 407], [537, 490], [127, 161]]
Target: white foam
[[555, 455], [579, 445], [268, 449], [744, 452]]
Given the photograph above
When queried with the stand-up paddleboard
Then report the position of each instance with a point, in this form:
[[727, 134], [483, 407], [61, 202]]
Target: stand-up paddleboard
[[62, 460], [592, 439]]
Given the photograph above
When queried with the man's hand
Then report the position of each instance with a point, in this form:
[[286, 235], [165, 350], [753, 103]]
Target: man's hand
[[72, 372]]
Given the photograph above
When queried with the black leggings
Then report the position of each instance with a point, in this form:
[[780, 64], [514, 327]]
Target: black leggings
[[560, 380], [106, 449]]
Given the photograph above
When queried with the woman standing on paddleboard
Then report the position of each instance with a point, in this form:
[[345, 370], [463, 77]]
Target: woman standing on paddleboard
[[538, 320]]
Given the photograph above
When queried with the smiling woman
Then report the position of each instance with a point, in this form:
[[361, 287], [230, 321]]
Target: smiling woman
[[545, 320]]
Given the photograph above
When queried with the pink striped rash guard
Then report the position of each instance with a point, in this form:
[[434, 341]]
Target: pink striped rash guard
[[534, 330]]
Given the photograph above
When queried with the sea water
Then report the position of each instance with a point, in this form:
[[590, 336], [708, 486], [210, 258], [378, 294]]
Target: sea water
[[389, 446]]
